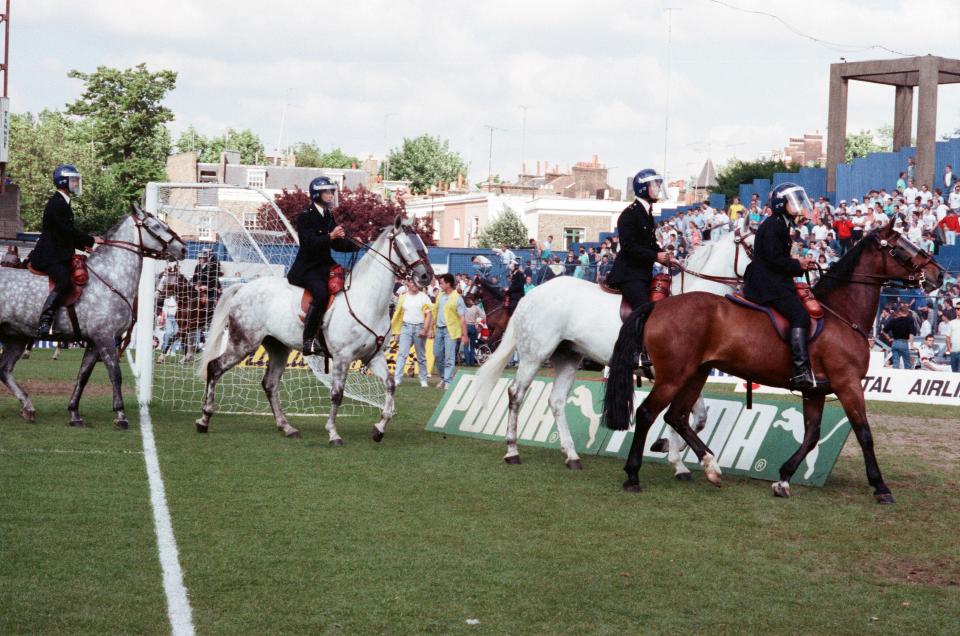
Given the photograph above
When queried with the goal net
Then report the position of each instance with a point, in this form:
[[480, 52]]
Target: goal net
[[242, 229]]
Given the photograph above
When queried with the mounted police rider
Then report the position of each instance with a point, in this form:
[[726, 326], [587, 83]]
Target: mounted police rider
[[58, 240], [206, 278], [517, 281], [319, 234], [768, 280], [633, 268]]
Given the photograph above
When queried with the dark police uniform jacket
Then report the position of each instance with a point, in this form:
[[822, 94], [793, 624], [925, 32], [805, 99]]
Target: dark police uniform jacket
[[314, 260], [769, 277], [638, 245], [517, 281], [58, 238]]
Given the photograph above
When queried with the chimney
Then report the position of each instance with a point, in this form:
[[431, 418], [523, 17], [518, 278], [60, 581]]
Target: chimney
[[596, 161], [523, 169], [556, 168], [538, 167]]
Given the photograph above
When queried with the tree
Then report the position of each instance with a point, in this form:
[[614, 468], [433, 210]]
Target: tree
[[507, 228], [309, 155], [861, 144], [424, 161], [735, 172], [362, 214], [191, 140], [246, 142], [126, 128]]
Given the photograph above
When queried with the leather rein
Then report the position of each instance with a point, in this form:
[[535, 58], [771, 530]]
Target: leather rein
[[739, 239]]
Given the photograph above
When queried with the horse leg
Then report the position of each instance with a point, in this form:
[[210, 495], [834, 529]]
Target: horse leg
[[89, 361], [812, 414], [108, 353], [851, 397], [277, 354], [338, 377], [565, 365], [674, 445], [12, 352], [678, 417], [379, 368], [660, 396], [526, 372], [234, 353]]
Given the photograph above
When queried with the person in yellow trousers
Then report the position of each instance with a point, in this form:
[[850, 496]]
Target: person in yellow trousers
[[448, 317]]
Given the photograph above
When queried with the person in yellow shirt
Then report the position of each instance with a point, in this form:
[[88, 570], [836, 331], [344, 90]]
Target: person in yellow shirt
[[448, 317], [735, 208]]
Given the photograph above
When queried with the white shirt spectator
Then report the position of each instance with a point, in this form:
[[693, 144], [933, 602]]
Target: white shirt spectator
[[954, 200], [910, 193], [170, 308], [506, 256], [925, 195], [953, 333], [930, 220], [820, 232], [414, 306]]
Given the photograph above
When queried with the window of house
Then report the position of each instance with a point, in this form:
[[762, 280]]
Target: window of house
[[475, 226], [256, 178], [456, 229], [572, 235], [205, 228], [250, 220]]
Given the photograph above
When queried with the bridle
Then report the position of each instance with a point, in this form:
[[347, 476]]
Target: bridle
[[474, 289], [740, 243], [400, 271], [908, 255]]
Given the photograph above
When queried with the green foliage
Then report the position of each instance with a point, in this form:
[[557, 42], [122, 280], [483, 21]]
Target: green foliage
[[424, 161], [125, 125], [309, 155], [863, 143], [507, 228], [731, 175], [209, 149]]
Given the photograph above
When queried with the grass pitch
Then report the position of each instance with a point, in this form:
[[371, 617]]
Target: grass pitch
[[422, 532]]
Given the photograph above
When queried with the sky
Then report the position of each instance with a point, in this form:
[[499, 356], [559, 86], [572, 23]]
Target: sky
[[635, 83]]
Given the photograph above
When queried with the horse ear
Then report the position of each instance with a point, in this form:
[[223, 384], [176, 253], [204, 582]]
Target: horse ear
[[397, 222], [139, 213]]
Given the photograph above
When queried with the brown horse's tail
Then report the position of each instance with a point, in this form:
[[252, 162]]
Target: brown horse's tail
[[618, 397]]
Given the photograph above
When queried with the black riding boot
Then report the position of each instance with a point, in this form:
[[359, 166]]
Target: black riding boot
[[47, 315], [803, 378], [311, 328], [646, 366]]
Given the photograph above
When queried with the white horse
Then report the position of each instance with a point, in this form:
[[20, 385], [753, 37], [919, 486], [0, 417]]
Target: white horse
[[567, 319], [266, 311]]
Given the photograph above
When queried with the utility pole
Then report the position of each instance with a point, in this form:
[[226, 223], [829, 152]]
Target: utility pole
[[666, 114], [490, 156], [523, 140], [4, 101], [283, 122], [386, 155]]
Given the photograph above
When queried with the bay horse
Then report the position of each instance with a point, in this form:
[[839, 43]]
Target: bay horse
[[567, 320], [193, 312], [105, 310], [688, 335], [357, 326], [494, 307]]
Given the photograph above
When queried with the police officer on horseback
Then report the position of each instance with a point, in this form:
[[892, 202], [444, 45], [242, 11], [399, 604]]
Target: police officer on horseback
[[633, 268], [515, 290], [58, 240], [319, 234], [769, 278]]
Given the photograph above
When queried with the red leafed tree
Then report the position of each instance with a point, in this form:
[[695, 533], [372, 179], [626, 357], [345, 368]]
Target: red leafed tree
[[362, 213]]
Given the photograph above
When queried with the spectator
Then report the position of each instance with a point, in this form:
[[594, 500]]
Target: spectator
[[473, 317], [546, 249], [950, 225], [953, 201], [528, 285], [948, 178], [570, 265], [901, 329], [927, 353], [450, 326], [412, 321], [604, 268], [953, 341], [11, 258]]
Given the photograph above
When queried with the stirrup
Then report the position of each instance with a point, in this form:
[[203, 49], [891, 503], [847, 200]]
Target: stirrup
[[803, 381]]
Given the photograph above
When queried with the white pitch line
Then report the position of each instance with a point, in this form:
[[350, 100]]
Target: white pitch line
[[178, 605]]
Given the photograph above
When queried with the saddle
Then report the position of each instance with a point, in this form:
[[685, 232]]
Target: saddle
[[78, 275], [659, 289], [781, 324], [335, 283]]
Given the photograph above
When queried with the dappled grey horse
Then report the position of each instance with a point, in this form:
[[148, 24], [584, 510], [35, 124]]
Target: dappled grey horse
[[104, 312], [357, 325]]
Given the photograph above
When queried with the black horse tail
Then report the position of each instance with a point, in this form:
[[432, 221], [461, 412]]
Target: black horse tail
[[618, 396]]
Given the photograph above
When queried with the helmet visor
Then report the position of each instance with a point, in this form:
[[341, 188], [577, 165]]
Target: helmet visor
[[74, 182], [798, 203]]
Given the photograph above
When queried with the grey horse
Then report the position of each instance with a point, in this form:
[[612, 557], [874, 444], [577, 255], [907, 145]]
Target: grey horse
[[104, 311], [357, 326]]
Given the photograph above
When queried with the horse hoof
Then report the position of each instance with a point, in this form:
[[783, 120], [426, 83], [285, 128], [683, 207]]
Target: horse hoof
[[336, 442], [660, 446], [683, 476], [202, 428], [29, 415], [781, 489], [714, 478], [574, 464], [629, 487], [885, 499], [292, 434], [121, 425], [376, 434], [77, 423], [513, 459]]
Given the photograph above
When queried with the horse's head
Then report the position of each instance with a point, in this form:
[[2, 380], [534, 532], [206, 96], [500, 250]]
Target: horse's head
[[411, 254], [909, 264], [156, 238], [473, 290]]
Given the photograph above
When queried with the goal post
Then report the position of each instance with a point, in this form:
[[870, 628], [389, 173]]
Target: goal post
[[252, 238]]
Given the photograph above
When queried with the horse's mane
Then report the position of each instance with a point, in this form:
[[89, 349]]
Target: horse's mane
[[492, 289], [699, 256], [841, 271]]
